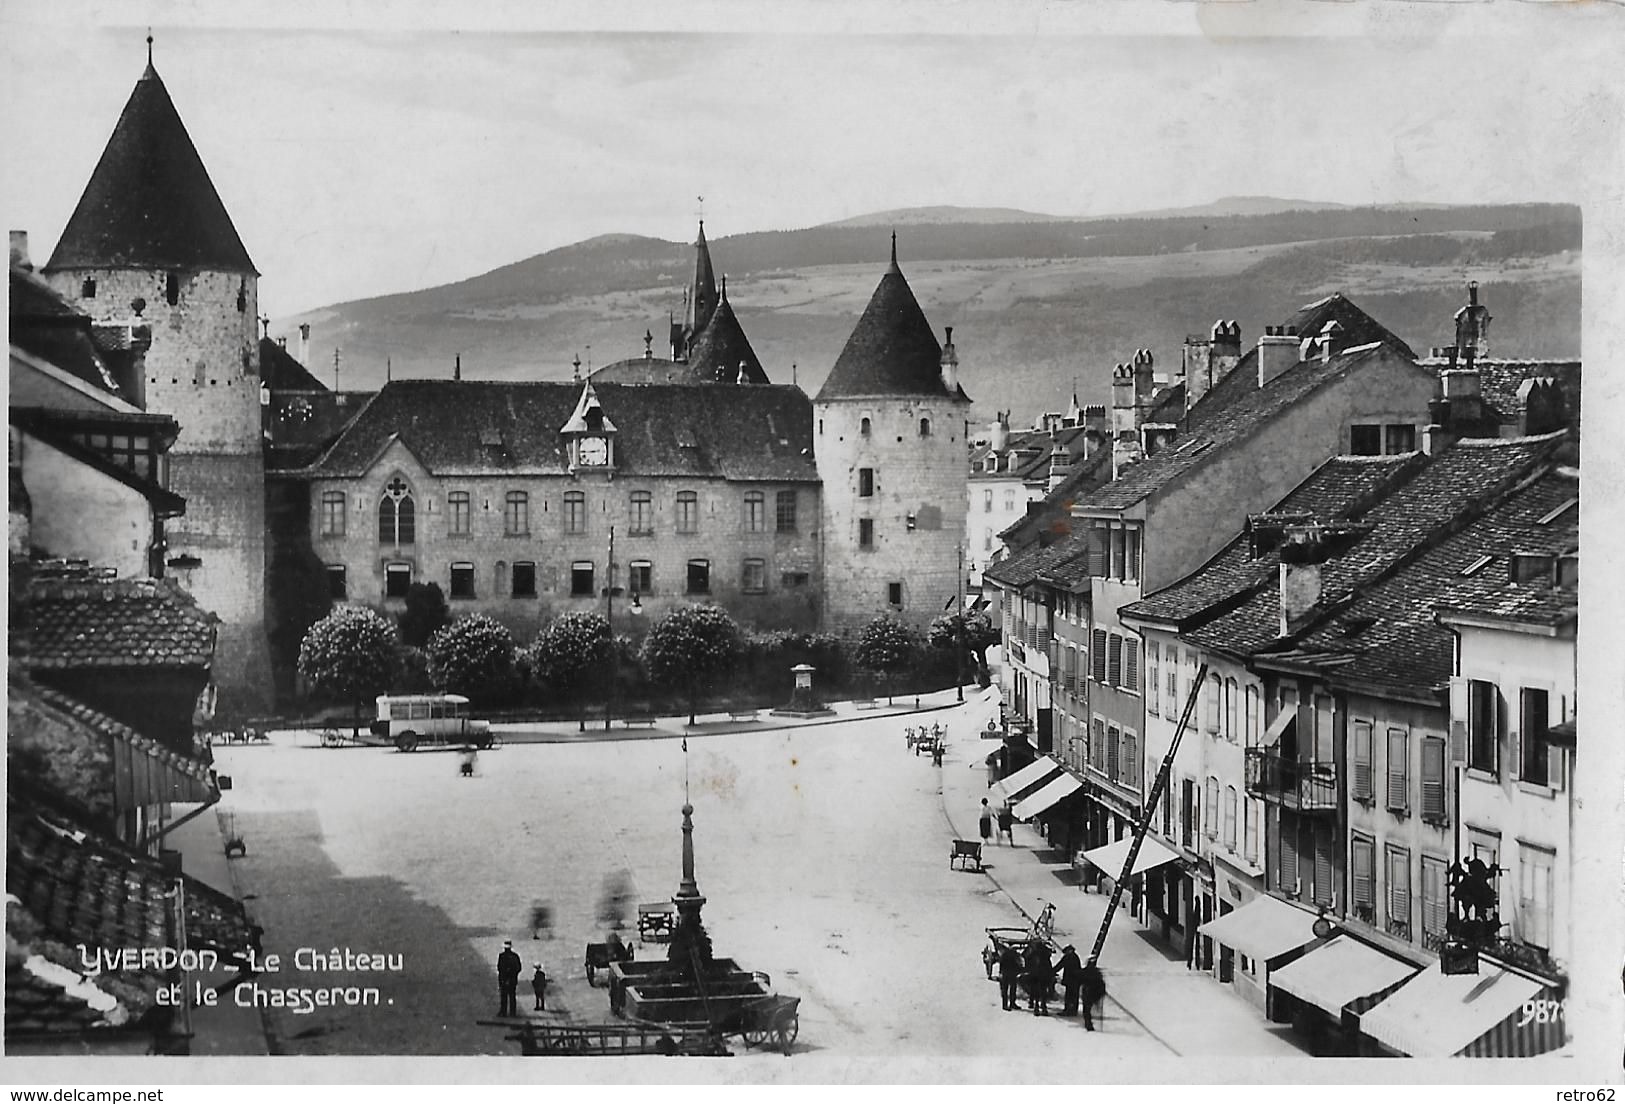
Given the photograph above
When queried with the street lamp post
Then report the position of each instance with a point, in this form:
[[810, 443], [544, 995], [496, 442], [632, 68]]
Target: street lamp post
[[959, 622], [609, 619]]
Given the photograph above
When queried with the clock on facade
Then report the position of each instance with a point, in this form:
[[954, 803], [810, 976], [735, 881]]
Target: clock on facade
[[593, 451]]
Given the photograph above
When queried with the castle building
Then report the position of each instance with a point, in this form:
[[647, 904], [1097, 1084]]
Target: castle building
[[892, 459], [150, 245]]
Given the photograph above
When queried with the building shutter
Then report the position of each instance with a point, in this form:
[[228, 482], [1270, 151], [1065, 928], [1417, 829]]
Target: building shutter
[[1131, 663], [1113, 736], [1324, 889], [1099, 667], [1097, 551], [1399, 887], [1433, 894], [1131, 759], [1114, 660], [1288, 880], [1362, 852], [1398, 775], [1458, 718], [1433, 787], [1210, 811], [1362, 761]]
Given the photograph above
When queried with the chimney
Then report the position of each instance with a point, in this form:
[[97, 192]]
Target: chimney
[[744, 373], [1436, 435], [1123, 411], [19, 250], [1461, 387], [304, 344], [457, 367], [1144, 385], [1301, 557], [1541, 408], [1277, 351], [950, 363], [1060, 462], [999, 432], [1473, 327]]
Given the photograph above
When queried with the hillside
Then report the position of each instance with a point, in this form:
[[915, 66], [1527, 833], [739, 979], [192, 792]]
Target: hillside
[[1039, 307]]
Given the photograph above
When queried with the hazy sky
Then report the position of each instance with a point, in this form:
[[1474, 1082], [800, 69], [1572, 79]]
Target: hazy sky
[[360, 155]]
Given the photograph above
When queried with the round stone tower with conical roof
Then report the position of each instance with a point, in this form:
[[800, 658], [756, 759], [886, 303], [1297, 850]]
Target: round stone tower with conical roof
[[150, 244], [889, 437]]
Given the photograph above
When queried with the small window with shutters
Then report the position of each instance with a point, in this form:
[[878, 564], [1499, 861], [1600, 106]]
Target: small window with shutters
[[1215, 692], [1153, 679], [1130, 759], [1433, 781], [1399, 892], [1113, 737], [1210, 811], [1173, 684], [1435, 906], [1532, 745], [1362, 877], [1362, 788], [1287, 868], [1131, 664], [1483, 726], [1230, 817], [1231, 693], [1398, 769], [1097, 551]]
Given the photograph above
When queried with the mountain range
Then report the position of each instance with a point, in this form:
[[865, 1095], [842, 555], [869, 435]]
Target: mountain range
[[1042, 305]]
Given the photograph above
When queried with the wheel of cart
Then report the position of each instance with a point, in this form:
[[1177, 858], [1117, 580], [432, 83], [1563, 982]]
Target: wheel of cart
[[1000, 938], [772, 1018], [406, 741], [488, 741], [599, 956], [331, 737]]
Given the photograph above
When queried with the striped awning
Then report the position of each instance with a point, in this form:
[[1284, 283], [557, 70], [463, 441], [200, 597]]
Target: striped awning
[[1494, 1013], [1026, 780], [1054, 790], [1339, 972], [1263, 928]]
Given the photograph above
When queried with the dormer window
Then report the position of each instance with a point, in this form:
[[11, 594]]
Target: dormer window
[[87, 290]]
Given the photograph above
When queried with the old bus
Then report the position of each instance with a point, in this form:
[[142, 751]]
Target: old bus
[[408, 720]]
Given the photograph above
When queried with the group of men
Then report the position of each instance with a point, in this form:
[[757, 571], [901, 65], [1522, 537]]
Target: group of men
[[1038, 973]]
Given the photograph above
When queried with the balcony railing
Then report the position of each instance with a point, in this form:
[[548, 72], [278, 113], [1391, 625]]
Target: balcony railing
[[1307, 787]]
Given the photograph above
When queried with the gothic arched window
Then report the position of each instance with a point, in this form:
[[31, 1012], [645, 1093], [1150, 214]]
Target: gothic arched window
[[397, 520]]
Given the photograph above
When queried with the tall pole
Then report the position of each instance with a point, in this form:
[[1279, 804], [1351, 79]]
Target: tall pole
[[609, 618], [959, 620]]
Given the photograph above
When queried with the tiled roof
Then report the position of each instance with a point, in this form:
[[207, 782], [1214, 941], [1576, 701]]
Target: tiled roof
[[650, 369], [102, 724], [68, 886], [1390, 633], [46, 325], [1021, 568], [1243, 416], [744, 433], [1340, 488], [79, 621], [703, 294], [892, 350], [720, 349], [1052, 518], [280, 370], [1447, 494], [1033, 449], [150, 202]]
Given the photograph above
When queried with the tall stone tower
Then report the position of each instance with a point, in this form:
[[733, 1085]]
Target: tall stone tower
[[890, 445], [151, 241]]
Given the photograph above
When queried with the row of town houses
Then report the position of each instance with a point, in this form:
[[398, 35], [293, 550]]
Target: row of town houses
[[1352, 573]]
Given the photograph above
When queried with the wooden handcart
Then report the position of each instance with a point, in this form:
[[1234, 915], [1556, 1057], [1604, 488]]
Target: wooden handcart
[[771, 1018], [656, 921], [599, 957], [964, 853]]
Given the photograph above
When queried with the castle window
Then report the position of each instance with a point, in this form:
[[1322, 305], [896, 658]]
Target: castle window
[[755, 512], [172, 288], [794, 579], [332, 523], [397, 580], [575, 512], [754, 578], [688, 512], [699, 576], [397, 521], [641, 576], [643, 513], [336, 588], [462, 580], [866, 533], [894, 594], [458, 503], [516, 514], [784, 510], [581, 579], [866, 482], [242, 296], [88, 289], [925, 427], [863, 427], [524, 579]]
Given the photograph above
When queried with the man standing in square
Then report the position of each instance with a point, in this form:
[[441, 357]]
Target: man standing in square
[[508, 968]]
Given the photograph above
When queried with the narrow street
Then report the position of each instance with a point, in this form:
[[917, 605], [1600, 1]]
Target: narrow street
[[822, 852]]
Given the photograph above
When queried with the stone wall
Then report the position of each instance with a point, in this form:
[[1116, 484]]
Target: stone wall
[[79, 512], [914, 476]]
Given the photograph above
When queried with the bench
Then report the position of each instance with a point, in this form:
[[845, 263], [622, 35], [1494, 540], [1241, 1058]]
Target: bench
[[865, 703], [741, 714], [638, 722], [964, 852]]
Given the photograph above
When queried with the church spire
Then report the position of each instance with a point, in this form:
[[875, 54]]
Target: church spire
[[703, 299]]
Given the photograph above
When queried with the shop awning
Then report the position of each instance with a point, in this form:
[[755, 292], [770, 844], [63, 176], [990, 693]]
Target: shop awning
[[1263, 928], [1109, 859], [1017, 786], [1482, 1015], [1054, 790], [1340, 972]]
